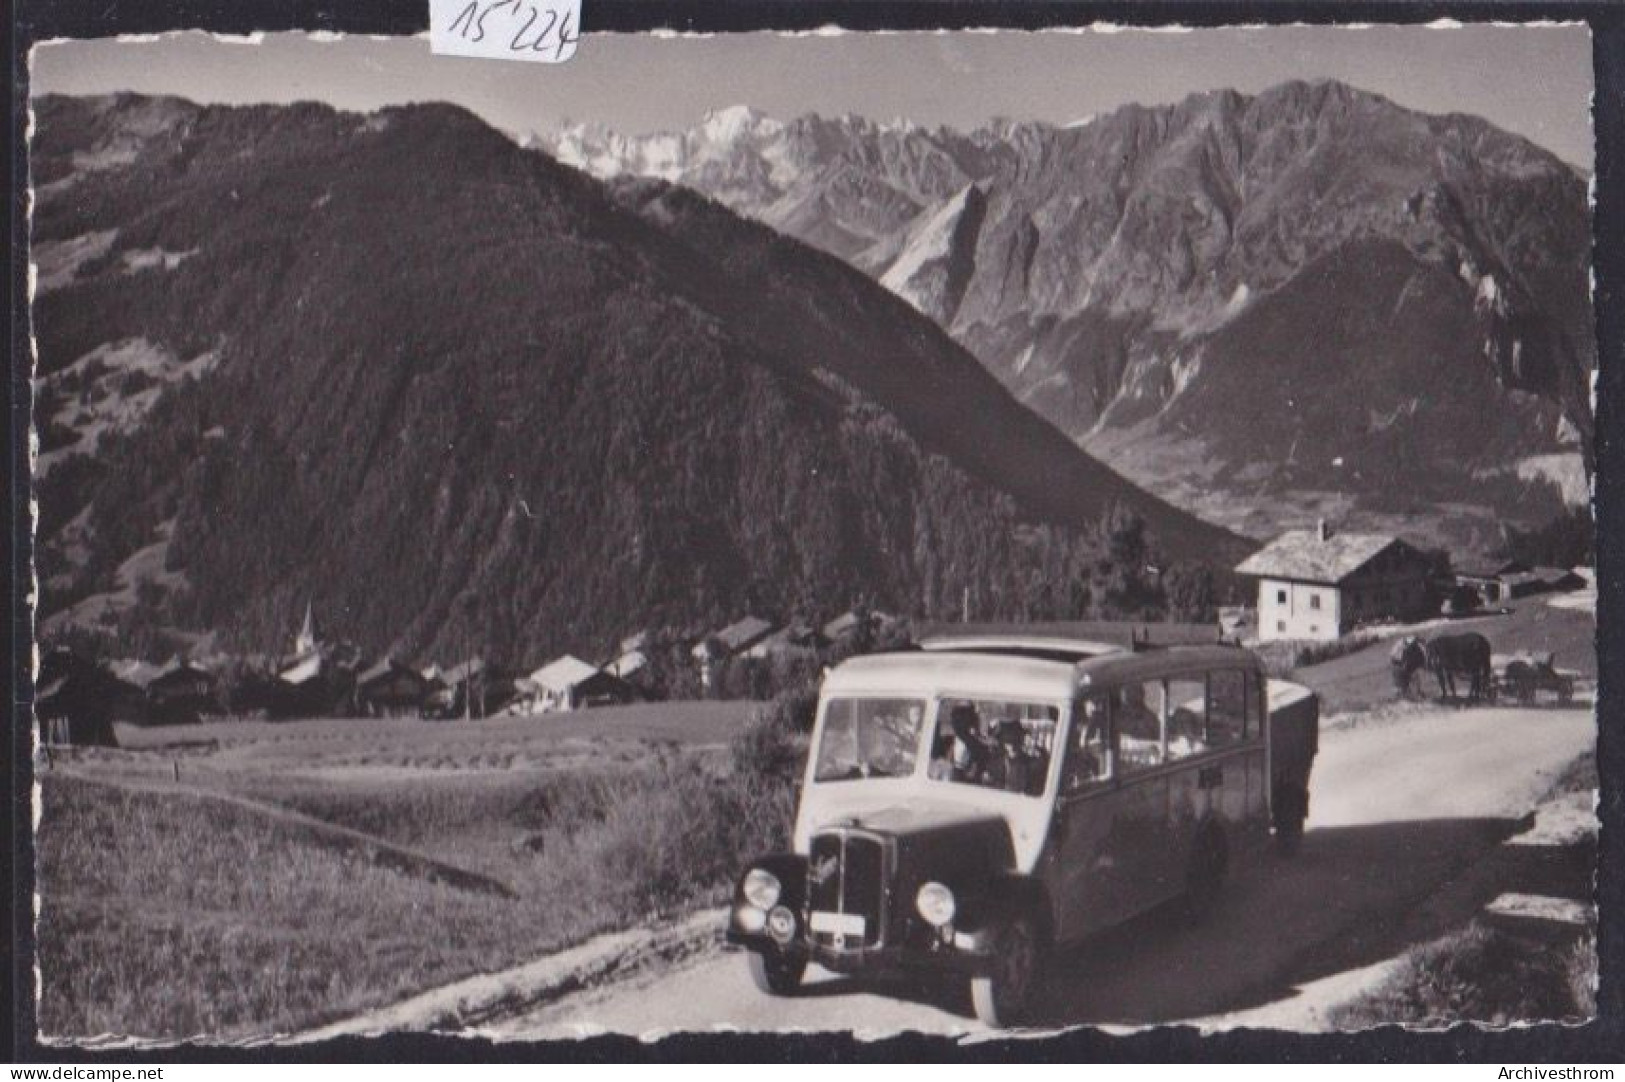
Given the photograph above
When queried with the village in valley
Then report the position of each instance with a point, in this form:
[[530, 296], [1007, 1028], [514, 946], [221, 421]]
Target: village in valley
[[1312, 585]]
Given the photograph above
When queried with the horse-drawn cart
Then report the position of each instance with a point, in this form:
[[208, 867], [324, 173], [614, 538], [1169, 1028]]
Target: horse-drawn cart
[[1524, 675]]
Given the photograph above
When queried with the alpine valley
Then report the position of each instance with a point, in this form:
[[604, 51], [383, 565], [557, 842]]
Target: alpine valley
[[1309, 302]]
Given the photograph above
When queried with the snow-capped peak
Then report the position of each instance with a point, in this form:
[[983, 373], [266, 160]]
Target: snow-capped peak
[[733, 122]]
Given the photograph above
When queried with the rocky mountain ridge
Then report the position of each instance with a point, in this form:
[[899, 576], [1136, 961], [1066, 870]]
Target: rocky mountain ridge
[[1099, 269]]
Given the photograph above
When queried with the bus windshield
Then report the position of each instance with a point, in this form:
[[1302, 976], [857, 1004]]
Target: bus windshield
[[869, 738], [995, 744]]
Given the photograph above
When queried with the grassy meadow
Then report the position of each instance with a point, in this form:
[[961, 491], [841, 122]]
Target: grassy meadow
[[216, 903]]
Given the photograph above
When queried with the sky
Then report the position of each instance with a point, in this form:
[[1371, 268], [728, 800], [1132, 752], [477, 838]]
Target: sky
[[1535, 81]]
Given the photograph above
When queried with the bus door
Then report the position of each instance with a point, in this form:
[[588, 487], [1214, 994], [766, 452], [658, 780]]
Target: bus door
[[1139, 845], [1192, 791], [1232, 723], [1089, 884]]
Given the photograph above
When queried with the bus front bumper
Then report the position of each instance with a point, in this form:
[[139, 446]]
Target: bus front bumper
[[963, 953]]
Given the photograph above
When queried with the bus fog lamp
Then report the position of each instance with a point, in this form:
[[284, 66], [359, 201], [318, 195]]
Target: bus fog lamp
[[750, 919], [781, 925]]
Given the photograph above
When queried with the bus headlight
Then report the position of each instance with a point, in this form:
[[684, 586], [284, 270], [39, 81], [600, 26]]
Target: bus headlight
[[762, 888], [935, 903]]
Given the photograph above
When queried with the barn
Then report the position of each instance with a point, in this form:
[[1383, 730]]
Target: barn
[[74, 699], [1513, 578], [181, 694], [1319, 584], [391, 689]]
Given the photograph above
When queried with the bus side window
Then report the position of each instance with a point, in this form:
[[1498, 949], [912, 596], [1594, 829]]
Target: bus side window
[[1187, 717], [1088, 758], [1226, 707]]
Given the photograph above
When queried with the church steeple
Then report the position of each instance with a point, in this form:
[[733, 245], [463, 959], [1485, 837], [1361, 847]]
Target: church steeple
[[305, 641]]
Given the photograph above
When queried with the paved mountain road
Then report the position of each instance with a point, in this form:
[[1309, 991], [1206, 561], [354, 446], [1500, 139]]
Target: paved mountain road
[[1400, 807]]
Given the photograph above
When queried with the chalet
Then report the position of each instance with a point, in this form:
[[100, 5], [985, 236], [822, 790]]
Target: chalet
[[843, 625], [852, 622], [391, 689], [74, 699], [1316, 584], [472, 690], [555, 685], [629, 665], [732, 640], [797, 640], [181, 693], [1514, 578], [603, 689]]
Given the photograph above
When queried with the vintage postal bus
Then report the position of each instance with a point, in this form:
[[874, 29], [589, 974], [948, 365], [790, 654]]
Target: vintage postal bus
[[969, 805]]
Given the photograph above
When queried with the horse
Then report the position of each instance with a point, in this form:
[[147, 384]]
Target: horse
[[1467, 655], [1447, 657]]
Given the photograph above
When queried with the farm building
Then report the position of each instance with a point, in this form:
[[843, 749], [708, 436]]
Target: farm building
[[74, 699], [1317, 584], [797, 640], [604, 689], [181, 693], [391, 689], [1513, 578], [853, 621], [736, 638], [628, 665], [469, 690], [568, 683], [731, 641]]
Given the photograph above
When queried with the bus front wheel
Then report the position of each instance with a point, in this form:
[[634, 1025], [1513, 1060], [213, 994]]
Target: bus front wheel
[[779, 975], [1002, 997]]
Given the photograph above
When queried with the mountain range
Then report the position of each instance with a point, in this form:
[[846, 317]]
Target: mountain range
[[465, 398], [1264, 307]]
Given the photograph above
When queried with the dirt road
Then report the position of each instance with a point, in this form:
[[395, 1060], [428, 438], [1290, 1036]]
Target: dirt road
[[1400, 807]]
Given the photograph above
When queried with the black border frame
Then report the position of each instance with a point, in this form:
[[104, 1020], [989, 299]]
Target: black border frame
[[1601, 1041]]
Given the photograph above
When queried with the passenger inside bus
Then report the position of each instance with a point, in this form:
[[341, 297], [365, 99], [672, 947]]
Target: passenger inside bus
[[962, 754], [1010, 753], [1187, 704], [1139, 729], [1013, 769]]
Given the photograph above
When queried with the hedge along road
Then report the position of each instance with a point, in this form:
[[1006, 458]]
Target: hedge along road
[[1401, 806]]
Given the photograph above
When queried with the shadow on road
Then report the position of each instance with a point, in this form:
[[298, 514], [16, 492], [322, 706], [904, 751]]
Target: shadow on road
[[1352, 897]]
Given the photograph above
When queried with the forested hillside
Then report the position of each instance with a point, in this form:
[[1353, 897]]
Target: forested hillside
[[462, 397]]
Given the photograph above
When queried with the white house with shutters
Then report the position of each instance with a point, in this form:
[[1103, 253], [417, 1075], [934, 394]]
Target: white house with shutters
[[1320, 585]]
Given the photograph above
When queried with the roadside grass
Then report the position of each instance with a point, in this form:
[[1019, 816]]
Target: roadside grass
[[1494, 972], [1483, 973], [167, 915]]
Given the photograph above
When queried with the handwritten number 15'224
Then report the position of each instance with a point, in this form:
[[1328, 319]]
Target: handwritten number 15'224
[[554, 31]]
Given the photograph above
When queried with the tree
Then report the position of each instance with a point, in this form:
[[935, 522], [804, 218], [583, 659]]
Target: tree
[[1121, 582]]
